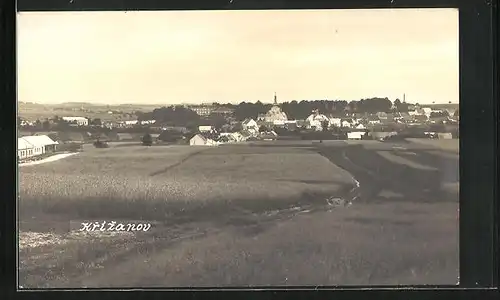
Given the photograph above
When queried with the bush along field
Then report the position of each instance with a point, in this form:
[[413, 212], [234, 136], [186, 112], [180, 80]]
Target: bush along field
[[162, 183]]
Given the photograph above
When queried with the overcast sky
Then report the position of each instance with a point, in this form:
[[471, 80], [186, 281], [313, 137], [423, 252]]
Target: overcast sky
[[232, 56]]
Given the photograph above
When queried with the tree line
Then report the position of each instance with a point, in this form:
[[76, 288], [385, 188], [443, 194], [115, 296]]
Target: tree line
[[181, 116]]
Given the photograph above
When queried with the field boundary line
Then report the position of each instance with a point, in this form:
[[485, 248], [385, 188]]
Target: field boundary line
[[183, 160]]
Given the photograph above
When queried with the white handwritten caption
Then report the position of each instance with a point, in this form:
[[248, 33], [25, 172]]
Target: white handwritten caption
[[112, 226]]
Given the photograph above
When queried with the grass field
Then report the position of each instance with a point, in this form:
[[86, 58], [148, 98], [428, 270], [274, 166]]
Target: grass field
[[452, 145], [34, 111], [394, 241], [158, 182]]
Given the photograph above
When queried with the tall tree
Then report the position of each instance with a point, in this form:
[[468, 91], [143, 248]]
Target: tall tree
[[397, 104]]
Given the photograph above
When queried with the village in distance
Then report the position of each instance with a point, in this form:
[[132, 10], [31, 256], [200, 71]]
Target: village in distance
[[71, 125]]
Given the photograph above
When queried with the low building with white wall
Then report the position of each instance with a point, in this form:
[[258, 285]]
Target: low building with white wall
[[80, 121], [34, 145]]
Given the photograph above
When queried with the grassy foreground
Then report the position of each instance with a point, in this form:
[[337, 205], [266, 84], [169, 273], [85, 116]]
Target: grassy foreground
[[159, 182]]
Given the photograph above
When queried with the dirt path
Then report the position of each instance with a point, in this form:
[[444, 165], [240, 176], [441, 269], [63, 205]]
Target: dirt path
[[48, 159]]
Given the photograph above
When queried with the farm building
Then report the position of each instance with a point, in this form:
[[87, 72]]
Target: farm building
[[79, 121], [355, 135], [35, 145], [24, 149], [200, 140], [125, 137]]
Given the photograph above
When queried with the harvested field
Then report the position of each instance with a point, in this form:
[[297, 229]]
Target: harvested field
[[452, 145], [157, 182], [235, 216], [403, 161]]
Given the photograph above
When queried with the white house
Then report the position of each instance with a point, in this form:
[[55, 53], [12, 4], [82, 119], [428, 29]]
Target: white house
[[148, 122], [360, 126], [315, 120], [205, 128], [250, 125], [35, 145], [200, 140], [80, 121]]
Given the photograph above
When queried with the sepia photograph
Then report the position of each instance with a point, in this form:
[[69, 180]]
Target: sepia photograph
[[245, 148]]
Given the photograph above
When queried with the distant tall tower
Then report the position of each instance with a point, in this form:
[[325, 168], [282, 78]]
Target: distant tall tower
[[404, 98], [275, 99]]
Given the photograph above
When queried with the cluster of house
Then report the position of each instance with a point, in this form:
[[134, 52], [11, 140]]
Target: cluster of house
[[35, 145], [355, 125]]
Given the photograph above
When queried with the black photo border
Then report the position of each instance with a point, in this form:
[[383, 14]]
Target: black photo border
[[478, 126]]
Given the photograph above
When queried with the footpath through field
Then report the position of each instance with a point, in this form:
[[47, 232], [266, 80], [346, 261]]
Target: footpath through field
[[48, 159]]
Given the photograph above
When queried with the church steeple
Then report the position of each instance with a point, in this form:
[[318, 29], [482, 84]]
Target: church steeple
[[275, 99]]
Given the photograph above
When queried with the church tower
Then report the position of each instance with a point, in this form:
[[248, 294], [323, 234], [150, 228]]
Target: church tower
[[275, 99]]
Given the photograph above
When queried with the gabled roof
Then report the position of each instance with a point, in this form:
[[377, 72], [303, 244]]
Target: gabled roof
[[40, 140], [247, 121], [23, 144], [200, 136]]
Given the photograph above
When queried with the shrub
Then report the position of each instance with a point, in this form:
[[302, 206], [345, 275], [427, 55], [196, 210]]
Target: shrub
[[100, 144], [147, 140]]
